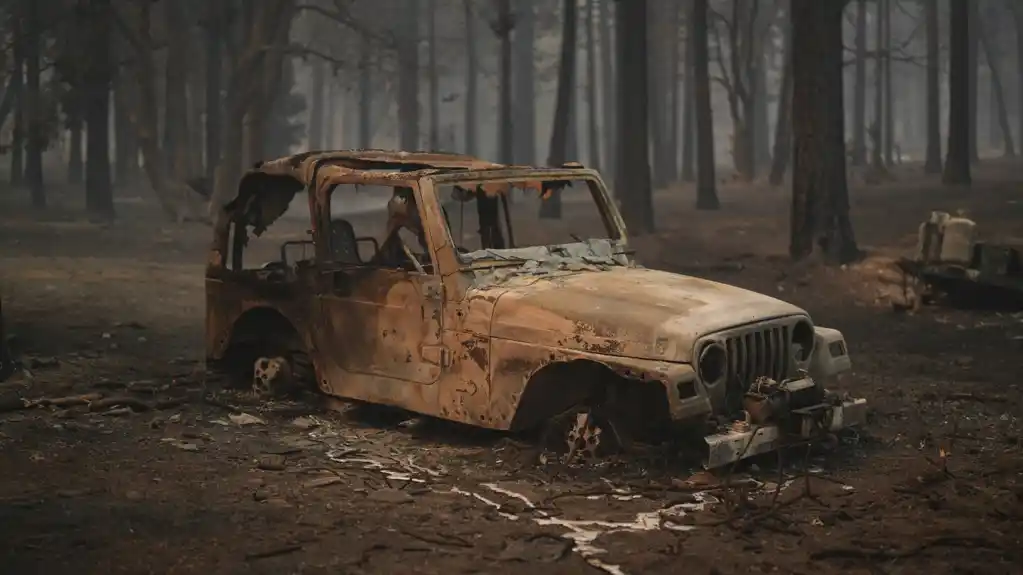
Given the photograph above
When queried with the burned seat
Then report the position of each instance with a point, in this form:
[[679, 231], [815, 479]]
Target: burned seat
[[344, 244], [344, 248]]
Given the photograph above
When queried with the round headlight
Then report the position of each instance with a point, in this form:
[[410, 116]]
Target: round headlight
[[713, 364], [802, 341]]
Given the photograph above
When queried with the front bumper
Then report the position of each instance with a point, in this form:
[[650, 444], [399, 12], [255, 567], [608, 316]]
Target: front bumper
[[745, 439]]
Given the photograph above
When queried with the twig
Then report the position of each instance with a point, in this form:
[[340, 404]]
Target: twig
[[273, 552], [437, 539], [882, 554]]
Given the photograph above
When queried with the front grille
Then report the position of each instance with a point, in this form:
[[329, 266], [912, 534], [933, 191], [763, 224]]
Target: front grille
[[761, 352]]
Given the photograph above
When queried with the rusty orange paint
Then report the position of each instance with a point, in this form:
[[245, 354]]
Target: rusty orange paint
[[453, 341]]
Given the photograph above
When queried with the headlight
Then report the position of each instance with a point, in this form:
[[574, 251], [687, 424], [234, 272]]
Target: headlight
[[802, 341], [713, 364]]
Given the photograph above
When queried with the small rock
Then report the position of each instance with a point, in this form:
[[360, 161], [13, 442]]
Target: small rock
[[261, 494], [323, 481], [304, 423], [106, 335], [133, 496], [395, 496], [271, 463], [142, 339], [182, 445], [43, 362], [176, 418], [243, 419]]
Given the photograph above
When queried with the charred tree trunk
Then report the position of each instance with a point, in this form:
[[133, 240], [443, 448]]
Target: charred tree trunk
[[18, 86], [783, 125], [761, 127], [675, 99], [330, 106], [99, 197], [35, 139], [657, 90], [125, 156], [431, 75], [820, 196], [214, 70], [607, 81], [316, 106], [1017, 17], [706, 184], [592, 111], [997, 89], [633, 184], [524, 83], [877, 126], [551, 208], [148, 113], [176, 103], [366, 95], [859, 127], [889, 108], [471, 80], [75, 163], [688, 105], [957, 162], [932, 164], [973, 72], [408, 76], [503, 26]]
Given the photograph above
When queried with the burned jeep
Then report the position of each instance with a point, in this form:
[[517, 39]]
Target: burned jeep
[[504, 297]]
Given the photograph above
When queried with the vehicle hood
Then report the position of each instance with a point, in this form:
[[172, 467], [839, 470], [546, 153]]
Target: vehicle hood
[[626, 311]]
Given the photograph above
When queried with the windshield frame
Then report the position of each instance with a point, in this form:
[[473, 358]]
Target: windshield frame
[[613, 222]]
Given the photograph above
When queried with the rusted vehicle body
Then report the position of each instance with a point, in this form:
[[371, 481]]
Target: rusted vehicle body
[[508, 332]]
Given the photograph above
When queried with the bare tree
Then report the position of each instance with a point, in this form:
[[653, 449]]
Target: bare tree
[[957, 162], [633, 183], [431, 74], [783, 124], [502, 27], [35, 140], [471, 78], [932, 165], [859, 144], [214, 61], [592, 111], [706, 185], [551, 208], [820, 196], [607, 81], [988, 42], [524, 82], [99, 198], [408, 75]]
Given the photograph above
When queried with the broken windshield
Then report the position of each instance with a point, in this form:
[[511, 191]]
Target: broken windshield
[[504, 222]]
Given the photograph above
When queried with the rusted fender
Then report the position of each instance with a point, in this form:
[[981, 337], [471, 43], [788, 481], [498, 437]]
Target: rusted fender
[[514, 366]]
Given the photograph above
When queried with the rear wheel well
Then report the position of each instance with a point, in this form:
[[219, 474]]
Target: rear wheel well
[[639, 404], [263, 332]]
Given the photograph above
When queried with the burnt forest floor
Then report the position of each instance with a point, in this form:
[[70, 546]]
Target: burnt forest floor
[[933, 484]]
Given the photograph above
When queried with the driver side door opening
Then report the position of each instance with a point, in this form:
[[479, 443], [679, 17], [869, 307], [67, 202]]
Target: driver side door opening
[[381, 298]]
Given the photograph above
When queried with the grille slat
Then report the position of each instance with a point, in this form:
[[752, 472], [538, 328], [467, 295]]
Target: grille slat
[[763, 352]]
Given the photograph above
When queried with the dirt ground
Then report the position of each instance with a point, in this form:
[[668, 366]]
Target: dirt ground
[[933, 484]]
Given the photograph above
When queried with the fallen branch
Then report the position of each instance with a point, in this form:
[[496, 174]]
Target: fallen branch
[[885, 554], [19, 403], [273, 552], [120, 401]]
